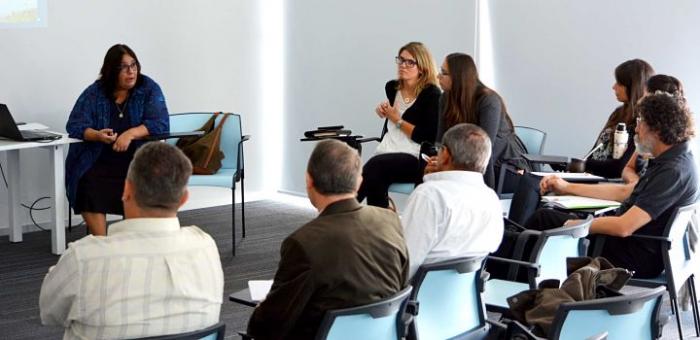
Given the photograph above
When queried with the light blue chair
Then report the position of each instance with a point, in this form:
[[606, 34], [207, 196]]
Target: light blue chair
[[631, 316], [546, 261], [680, 260], [449, 300], [382, 320], [215, 332], [532, 138], [232, 169]]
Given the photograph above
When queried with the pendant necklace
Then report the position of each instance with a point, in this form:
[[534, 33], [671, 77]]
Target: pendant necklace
[[121, 109]]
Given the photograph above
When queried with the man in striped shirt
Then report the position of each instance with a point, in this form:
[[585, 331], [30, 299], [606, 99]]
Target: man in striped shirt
[[148, 276]]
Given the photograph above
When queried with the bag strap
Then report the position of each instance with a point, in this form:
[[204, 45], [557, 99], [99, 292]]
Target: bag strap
[[217, 139]]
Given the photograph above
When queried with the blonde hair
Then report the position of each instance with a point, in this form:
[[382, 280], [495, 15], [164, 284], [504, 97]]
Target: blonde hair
[[427, 71]]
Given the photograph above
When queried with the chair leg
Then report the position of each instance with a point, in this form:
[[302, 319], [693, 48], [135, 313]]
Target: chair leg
[[233, 220], [243, 207], [70, 219], [674, 305], [694, 304]]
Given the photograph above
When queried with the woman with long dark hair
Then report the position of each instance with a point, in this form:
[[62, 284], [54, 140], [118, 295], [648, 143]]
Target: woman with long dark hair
[[110, 116], [467, 100], [411, 114], [630, 85]]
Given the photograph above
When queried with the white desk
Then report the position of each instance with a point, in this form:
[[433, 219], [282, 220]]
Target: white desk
[[56, 151]]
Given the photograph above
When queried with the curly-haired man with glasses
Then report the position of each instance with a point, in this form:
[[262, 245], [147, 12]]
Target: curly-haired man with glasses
[[664, 129]]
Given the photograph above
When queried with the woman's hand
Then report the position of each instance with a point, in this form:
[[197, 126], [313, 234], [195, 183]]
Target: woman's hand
[[122, 142], [553, 184], [392, 113], [381, 109], [106, 136]]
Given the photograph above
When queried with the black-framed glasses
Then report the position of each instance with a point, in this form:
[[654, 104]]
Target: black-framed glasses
[[133, 67], [406, 62], [443, 72]]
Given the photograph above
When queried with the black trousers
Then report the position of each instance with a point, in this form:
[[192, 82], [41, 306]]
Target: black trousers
[[382, 170]]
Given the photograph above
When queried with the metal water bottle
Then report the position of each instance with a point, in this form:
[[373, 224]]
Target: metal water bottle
[[620, 139]]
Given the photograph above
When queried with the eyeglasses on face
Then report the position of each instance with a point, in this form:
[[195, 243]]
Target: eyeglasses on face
[[131, 67], [443, 72], [406, 62], [639, 119]]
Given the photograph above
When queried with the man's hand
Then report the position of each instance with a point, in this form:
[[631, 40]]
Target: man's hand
[[431, 165], [553, 184]]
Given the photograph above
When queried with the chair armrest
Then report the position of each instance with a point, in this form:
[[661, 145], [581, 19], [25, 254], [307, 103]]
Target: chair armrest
[[245, 336], [515, 224], [529, 265], [651, 237], [245, 138], [369, 139]]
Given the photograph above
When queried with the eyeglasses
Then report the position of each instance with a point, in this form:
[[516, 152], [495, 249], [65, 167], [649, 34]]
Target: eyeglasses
[[131, 67], [406, 62], [639, 120], [443, 72]]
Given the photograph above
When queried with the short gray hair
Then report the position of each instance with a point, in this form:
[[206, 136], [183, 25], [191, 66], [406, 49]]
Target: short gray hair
[[334, 167], [159, 173], [469, 146]]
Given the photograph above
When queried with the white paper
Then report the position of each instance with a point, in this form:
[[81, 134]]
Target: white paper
[[32, 126], [570, 175], [259, 289], [579, 202]]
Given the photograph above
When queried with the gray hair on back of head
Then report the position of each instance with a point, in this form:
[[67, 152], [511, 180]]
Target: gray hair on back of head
[[469, 146], [334, 168], [159, 173]]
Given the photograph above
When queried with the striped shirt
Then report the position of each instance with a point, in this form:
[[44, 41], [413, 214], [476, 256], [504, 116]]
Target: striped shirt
[[148, 277]]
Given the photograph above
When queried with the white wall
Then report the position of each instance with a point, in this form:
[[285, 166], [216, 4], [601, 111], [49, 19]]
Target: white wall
[[339, 55], [204, 54], [554, 60]]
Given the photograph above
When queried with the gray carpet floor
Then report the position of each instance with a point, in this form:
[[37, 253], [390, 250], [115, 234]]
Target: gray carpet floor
[[23, 266]]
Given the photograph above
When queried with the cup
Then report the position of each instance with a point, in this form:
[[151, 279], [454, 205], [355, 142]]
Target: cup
[[576, 165]]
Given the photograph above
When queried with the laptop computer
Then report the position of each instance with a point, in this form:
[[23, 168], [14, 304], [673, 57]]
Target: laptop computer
[[9, 130]]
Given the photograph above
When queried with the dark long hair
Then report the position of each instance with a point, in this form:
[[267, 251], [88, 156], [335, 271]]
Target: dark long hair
[[109, 74], [633, 75], [466, 90]]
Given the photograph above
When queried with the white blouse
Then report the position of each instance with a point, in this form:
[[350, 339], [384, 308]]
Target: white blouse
[[394, 140]]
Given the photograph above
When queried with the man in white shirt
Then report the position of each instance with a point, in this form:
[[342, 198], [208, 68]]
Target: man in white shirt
[[453, 213], [148, 276]]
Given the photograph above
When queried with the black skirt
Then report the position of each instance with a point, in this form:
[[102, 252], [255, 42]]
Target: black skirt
[[100, 189]]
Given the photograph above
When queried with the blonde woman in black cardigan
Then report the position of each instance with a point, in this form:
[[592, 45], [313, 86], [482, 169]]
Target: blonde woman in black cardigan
[[411, 116]]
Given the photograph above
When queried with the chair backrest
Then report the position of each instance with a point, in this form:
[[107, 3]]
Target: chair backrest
[[215, 332], [449, 298], [632, 316], [555, 245], [379, 320], [680, 261], [230, 136], [532, 138]]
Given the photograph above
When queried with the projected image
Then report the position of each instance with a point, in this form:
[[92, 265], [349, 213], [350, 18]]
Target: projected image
[[20, 12]]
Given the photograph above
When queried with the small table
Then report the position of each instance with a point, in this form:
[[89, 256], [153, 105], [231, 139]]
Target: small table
[[545, 159], [243, 297], [56, 150]]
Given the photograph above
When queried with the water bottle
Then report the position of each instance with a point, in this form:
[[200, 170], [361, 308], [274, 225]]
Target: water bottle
[[620, 140]]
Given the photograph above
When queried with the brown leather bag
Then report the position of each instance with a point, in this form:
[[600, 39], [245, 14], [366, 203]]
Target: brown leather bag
[[205, 151]]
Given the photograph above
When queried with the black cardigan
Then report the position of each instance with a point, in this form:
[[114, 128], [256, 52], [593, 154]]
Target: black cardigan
[[423, 114]]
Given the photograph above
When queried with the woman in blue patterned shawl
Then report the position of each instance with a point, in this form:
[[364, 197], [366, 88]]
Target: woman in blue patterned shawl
[[111, 116]]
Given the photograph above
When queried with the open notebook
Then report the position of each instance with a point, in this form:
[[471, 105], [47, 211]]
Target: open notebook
[[578, 202]]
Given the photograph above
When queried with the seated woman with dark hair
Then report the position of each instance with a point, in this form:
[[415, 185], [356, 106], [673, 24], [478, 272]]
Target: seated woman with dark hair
[[467, 100], [110, 116], [630, 85], [411, 113]]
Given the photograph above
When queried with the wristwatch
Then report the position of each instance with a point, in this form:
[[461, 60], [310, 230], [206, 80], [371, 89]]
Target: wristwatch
[[399, 123]]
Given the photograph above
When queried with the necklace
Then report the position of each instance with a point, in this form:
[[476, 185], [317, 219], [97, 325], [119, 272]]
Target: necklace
[[406, 100], [121, 109]]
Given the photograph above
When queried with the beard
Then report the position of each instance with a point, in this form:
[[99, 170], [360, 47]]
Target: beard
[[644, 148]]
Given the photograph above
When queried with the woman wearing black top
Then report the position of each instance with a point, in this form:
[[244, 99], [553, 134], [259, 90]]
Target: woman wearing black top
[[467, 100], [630, 85], [411, 113]]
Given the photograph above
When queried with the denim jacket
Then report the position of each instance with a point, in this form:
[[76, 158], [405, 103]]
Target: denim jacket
[[146, 106]]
